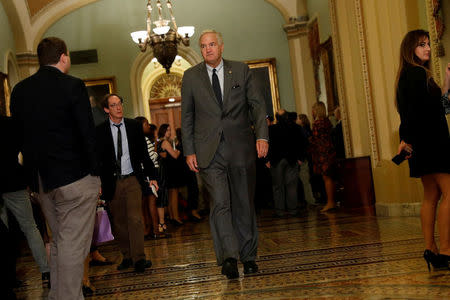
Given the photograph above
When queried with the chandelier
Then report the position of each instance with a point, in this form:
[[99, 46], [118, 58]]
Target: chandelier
[[163, 39]]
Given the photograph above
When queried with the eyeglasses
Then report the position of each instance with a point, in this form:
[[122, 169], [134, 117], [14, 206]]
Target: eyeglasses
[[115, 105]]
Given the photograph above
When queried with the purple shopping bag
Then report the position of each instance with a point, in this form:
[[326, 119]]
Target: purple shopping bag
[[102, 228]]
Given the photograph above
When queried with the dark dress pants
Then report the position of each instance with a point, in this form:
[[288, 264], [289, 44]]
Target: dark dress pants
[[126, 210], [284, 185], [232, 215]]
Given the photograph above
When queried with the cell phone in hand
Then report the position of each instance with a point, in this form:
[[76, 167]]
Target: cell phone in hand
[[399, 158]]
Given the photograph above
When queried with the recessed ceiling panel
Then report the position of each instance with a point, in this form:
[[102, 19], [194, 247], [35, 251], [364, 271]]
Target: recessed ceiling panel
[[36, 5]]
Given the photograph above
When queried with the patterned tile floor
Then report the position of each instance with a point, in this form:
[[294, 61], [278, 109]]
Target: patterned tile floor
[[312, 256]]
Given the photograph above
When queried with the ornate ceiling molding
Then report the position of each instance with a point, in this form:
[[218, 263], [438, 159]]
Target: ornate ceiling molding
[[29, 25], [35, 6]]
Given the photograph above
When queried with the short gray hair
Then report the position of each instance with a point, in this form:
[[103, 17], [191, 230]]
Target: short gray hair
[[206, 31]]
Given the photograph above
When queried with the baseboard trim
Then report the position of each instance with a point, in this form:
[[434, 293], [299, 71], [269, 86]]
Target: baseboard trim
[[398, 209]]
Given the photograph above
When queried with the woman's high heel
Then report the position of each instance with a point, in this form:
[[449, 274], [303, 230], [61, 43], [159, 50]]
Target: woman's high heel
[[438, 261], [162, 227]]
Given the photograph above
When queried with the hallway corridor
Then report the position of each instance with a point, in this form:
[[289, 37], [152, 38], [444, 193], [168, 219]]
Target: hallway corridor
[[333, 256]]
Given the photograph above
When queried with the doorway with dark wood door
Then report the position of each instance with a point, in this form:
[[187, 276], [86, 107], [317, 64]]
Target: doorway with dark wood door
[[166, 110]]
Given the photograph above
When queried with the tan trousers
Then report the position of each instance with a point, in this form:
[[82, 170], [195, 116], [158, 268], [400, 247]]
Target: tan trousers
[[70, 213], [126, 210]]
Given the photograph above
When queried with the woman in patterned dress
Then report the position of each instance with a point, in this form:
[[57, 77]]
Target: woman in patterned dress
[[323, 152]]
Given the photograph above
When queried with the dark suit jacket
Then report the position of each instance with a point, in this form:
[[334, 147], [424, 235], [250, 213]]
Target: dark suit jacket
[[287, 141], [54, 117], [12, 175], [204, 121], [140, 161], [338, 140]]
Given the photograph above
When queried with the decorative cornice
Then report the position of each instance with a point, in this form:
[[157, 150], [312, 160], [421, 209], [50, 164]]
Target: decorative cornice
[[366, 82], [296, 28], [340, 78]]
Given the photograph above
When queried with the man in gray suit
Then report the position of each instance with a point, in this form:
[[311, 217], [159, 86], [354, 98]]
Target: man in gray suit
[[220, 103]]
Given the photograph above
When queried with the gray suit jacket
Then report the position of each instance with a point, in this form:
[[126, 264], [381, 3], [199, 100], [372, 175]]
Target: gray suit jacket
[[203, 120]]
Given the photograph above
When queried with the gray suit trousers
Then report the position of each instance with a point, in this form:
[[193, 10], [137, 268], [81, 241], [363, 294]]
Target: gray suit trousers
[[232, 216], [70, 213]]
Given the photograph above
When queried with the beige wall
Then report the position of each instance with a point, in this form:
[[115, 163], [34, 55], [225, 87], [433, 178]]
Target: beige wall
[[6, 40], [249, 33]]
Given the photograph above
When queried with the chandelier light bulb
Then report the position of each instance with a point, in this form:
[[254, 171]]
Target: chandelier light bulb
[[142, 35], [161, 30], [163, 36], [186, 30]]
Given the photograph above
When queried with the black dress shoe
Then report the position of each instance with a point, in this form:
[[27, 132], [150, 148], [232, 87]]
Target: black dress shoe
[[46, 279], [141, 265], [250, 267], [229, 268], [87, 290], [125, 264]]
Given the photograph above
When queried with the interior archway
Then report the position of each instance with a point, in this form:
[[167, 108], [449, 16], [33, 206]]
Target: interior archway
[[12, 68], [140, 106]]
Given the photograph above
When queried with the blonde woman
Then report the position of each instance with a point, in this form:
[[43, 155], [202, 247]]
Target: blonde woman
[[323, 152]]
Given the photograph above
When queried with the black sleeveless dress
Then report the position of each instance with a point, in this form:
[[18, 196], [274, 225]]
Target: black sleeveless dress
[[173, 174], [423, 123]]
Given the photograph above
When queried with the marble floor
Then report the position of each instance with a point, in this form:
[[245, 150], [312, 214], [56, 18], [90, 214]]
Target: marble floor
[[313, 256]]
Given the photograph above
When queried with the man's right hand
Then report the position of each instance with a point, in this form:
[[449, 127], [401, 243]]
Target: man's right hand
[[191, 161]]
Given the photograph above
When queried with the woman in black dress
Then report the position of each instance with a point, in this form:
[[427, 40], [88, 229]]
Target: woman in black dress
[[152, 206], [424, 135], [169, 154]]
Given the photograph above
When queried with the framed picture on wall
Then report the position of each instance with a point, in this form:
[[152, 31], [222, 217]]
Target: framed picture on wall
[[5, 94], [265, 72], [99, 87]]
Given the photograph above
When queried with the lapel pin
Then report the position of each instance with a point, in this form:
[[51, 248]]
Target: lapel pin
[[229, 72]]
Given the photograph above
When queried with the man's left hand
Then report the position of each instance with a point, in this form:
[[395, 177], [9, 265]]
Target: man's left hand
[[262, 146]]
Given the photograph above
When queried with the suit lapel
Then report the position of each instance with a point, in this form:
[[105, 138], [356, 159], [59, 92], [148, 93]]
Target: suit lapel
[[109, 139], [227, 81]]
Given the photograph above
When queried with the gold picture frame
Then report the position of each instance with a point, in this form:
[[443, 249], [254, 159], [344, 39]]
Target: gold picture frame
[[5, 95], [99, 87], [265, 72]]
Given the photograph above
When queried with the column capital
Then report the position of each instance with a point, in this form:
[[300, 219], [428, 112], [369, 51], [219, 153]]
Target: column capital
[[27, 58], [297, 26], [28, 63]]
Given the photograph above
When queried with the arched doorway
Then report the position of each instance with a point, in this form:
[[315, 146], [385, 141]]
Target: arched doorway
[[140, 103], [165, 101]]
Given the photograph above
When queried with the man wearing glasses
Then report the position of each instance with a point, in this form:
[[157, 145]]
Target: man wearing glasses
[[125, 167]]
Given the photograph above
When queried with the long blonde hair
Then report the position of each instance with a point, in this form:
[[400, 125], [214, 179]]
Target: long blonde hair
[[320, 110]]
